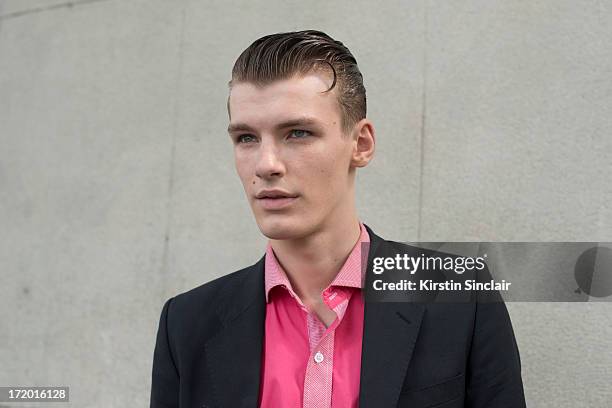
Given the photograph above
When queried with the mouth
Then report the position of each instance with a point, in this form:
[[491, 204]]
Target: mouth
[[275, 199]]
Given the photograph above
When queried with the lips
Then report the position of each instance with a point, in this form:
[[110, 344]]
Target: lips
[[274, 194], [275, 199]]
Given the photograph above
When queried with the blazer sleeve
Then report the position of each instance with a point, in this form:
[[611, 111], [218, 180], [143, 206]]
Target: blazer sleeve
[[165, 376], [494, 366]]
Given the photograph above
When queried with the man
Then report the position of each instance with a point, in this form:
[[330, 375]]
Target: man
[[294, 330]]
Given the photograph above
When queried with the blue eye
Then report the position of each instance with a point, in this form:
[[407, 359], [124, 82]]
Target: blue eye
[[246, 139], [300, 134]]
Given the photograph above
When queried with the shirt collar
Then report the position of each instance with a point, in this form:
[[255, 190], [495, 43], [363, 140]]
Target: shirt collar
[[351, 274]]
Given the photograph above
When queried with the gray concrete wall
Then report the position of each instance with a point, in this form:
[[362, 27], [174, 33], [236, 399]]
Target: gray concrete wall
[[117, 186]]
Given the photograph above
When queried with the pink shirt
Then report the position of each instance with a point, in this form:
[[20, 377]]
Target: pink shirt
[[306, 364]]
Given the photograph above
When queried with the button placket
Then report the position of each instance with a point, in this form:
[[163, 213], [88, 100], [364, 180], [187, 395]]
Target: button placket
[[319, 374]]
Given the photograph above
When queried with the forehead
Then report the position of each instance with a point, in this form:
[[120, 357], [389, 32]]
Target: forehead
[[299, 96]]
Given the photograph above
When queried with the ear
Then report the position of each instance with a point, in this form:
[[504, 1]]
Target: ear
[[364, 143]]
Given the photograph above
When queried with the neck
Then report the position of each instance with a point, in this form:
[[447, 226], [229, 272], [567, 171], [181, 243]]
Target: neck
[[312, 262]]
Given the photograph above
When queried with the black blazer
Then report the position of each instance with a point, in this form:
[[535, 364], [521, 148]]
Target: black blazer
[[415, 355]]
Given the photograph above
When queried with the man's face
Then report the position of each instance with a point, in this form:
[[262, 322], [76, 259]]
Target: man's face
[[291, 155]]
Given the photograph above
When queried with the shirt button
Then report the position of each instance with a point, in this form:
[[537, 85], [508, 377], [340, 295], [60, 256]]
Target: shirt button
[[318, 357]]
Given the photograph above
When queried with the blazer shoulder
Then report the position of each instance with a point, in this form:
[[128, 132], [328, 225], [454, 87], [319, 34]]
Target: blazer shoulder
[[210, 293]]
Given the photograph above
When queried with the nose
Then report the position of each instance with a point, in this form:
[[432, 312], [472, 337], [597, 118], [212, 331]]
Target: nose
[[269, 163]]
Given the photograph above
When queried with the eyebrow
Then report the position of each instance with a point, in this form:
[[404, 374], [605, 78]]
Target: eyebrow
[[243, 127]]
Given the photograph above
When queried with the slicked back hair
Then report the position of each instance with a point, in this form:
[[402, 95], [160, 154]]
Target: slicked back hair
[[283, 55]]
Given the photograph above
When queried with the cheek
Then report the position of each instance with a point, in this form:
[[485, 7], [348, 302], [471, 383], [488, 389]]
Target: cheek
[[335, 163], [243, 168], [324, 175]]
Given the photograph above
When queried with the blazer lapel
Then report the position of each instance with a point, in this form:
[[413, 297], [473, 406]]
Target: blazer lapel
[[234, 354], [389, 336]]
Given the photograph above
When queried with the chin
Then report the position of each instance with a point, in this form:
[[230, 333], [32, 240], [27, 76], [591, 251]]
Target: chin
[[281, 229]]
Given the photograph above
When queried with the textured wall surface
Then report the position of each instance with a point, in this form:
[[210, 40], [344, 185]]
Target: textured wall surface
[[117, 185]]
